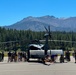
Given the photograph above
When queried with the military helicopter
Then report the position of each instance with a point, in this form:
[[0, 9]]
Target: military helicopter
[[39, 51]]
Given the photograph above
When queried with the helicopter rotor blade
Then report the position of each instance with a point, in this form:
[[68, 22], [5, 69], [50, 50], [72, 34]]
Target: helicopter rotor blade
[[46, 29], [49, 28], [60, 41], [8, 42], [49, 31]]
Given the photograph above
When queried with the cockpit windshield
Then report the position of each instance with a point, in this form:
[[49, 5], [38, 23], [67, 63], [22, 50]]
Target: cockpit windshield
[[35, 47]]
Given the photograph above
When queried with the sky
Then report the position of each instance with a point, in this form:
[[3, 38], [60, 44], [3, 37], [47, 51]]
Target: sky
[[12, 11]]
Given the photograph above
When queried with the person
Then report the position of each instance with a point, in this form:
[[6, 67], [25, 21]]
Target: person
[[12, 56], [55, 57], [9, 56], [24, 56], [15, 59], [75, 55], [2, 56], [47, 59], [52, 58], [18, 56], [62, 58], [67, 55]]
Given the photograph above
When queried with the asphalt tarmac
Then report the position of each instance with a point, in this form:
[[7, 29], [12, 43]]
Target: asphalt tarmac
[[34, 68]]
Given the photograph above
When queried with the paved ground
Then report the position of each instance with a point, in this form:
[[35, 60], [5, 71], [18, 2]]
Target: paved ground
[[33, 68]]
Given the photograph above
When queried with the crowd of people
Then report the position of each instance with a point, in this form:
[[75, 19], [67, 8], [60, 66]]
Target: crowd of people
[[62, 58], [22, 56], [14, 56]]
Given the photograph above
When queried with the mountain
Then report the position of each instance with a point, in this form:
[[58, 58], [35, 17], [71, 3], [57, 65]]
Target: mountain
[[38, 23]]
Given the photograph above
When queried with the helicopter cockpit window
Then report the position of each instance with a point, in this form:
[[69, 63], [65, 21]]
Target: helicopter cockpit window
[[33, 48]]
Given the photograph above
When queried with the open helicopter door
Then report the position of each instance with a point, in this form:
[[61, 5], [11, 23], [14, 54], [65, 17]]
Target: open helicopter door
[[37, 54]]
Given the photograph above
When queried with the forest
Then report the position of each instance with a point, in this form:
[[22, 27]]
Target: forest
[[12, 39]]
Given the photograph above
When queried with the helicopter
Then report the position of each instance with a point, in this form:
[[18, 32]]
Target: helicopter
[[39, 51]]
